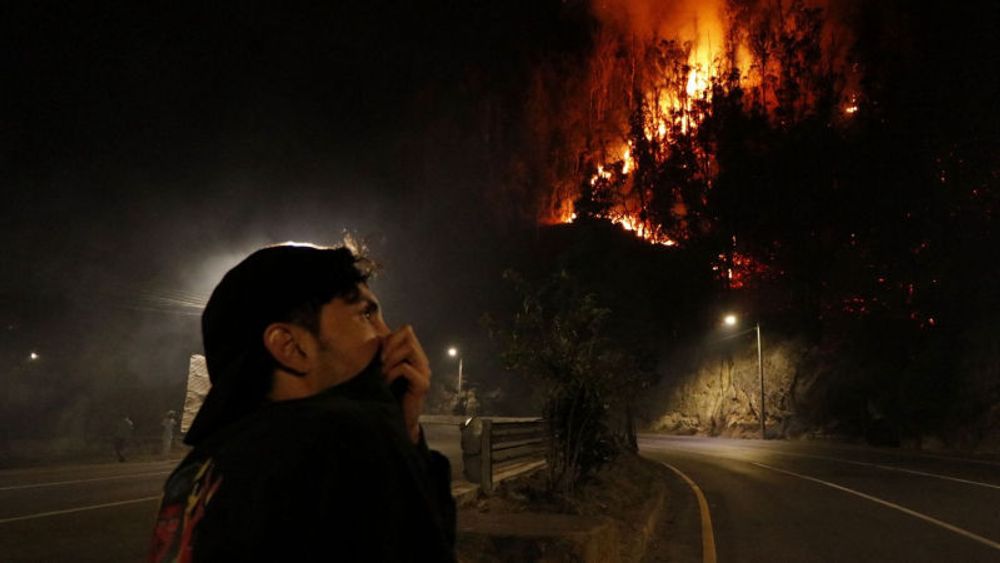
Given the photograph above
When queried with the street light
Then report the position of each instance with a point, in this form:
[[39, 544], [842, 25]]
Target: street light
[[453, 352], [33, 356], [730, 320]]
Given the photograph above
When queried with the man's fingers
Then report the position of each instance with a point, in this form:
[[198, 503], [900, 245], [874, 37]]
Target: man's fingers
[[403, 345], [403, 339], [405, 353], [419, 382], [398, 336], [403, 357]]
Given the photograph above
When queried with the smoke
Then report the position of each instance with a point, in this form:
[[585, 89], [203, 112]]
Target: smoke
[[687, 20], [709, 24]]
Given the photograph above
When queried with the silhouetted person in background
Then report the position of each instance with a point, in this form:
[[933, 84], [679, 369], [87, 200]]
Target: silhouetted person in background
[[167, 435], [123, 435], [308, 445]]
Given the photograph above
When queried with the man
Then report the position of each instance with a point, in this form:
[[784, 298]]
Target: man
[[167, 434], [123, 433], [308, 445]]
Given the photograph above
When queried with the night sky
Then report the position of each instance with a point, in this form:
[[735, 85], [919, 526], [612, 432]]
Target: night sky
[[143, 151]]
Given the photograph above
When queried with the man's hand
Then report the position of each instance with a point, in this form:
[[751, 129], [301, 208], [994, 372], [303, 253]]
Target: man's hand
[[402, 356]]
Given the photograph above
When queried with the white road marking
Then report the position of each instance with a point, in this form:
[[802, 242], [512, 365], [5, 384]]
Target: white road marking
[[951, 528], [170, 462], [57, 483], [749, 448], [78, 509], [707, 536], [895, 468], [959, 459]]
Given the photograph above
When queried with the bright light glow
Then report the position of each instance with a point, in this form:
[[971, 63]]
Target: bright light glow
[[452, 352], [730, 320], [297, 243], [852, 106], [33, 356]]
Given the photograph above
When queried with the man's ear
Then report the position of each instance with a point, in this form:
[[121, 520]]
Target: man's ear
[[290, 347]]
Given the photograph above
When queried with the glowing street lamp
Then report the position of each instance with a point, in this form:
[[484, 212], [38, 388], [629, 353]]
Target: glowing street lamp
[[453, 352], [731, 321], [33, 356]]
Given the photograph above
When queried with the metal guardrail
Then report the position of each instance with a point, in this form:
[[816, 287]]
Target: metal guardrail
[[495, 448], [445, 419]]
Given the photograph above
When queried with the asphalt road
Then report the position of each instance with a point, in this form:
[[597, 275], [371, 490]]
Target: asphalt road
[[447, 439], [789, 501], [79, 513], [765, 501], [104, 512]]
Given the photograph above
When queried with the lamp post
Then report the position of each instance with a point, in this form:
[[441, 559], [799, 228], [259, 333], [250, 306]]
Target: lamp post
[[731, 320], [760, 372], [453, 352]]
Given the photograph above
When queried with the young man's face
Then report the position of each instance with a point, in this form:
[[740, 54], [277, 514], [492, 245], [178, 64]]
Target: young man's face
[[349, 336]]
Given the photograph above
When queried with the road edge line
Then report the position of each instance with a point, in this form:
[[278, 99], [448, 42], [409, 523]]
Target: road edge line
[[930, 519], [933, 475], [80, 509], [707, 535], [890, 468], [78, 481]]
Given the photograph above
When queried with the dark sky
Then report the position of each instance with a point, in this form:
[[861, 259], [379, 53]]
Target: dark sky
[[145, 150]]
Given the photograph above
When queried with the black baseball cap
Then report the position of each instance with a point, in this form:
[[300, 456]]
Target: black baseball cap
[[281, 283]]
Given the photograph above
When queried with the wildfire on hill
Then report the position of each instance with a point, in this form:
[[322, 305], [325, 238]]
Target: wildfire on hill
[[658, 75]]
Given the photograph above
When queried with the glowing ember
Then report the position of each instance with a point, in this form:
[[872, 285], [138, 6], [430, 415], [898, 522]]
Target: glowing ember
[[852, 106], [740, 270], [856, 305]]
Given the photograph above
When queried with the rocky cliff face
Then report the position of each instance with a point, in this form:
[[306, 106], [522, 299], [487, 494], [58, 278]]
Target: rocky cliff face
[[721, 396], [810, 392]]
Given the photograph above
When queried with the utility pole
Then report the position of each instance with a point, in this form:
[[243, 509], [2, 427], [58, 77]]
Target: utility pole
[[732, 321], [454, 353], [760, 371]]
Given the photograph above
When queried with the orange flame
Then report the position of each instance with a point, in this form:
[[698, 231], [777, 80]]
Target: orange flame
[[701, 31]]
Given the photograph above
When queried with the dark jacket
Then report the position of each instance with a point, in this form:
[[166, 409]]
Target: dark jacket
[[333, 477]]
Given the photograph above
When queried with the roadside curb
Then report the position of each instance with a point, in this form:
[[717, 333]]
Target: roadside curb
[[530, 536], [649, 519], [465, 493]]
